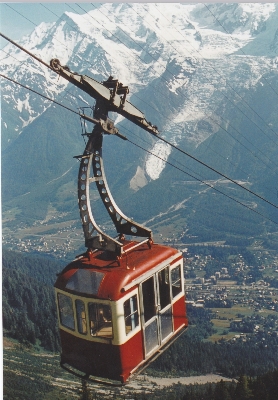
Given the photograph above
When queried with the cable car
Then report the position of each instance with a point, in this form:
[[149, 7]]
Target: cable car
[[122, 302], [117, 314]]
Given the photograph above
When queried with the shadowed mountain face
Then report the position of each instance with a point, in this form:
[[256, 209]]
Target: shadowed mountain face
[[205, 75]]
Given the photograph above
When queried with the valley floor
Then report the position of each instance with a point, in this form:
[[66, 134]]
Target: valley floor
[[147, 381]]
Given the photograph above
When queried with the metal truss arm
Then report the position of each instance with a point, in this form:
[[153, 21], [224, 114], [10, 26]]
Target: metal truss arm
[[95, 238]]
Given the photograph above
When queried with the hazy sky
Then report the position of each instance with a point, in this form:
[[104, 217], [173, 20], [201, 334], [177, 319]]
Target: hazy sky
[[20, 18]]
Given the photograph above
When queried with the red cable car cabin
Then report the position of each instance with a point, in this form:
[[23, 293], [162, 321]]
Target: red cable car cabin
[[116, 314]]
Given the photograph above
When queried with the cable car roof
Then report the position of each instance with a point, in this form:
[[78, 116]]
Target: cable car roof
[[101, 275]]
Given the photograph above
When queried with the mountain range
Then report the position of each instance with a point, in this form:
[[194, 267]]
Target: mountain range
[[205, 74]]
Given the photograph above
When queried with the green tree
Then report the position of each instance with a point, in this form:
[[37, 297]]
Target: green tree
[[243, 392], [221, 391], [209, 392]]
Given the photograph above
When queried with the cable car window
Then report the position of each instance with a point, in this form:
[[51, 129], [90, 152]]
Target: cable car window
[[131, 314], [100, 317], [149, 305], [164, 287], [85, 281], [176, 280], [81, 316], [66, 311]]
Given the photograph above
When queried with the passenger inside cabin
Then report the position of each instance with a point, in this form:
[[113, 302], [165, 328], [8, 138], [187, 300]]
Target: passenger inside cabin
[[100, 319]]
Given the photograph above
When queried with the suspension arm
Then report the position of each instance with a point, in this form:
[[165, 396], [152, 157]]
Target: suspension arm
[[95, 238], [111, 92], [110, 96]]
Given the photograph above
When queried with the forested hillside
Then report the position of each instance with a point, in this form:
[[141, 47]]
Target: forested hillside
[[29, 310], [41, 268]]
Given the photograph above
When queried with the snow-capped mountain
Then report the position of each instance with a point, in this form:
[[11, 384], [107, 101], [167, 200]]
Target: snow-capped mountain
[[190, 68], [189, 48]]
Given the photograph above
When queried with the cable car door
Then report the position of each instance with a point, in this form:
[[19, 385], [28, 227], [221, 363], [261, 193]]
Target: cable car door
[[156, 310]]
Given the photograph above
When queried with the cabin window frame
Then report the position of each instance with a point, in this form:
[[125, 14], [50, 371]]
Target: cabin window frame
[[86, 301], [181, 292], [81, 320], [61, 315], [86, 282], [133, 313], [164, 288]]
